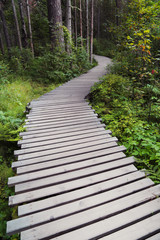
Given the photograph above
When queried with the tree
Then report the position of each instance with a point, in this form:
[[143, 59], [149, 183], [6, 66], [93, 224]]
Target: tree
[[75, 21], [1, 44], [23, 25], [5, 29], [69, 23], [87, 28], [81, 26], [17, 25], [55, 23], [92, 18], [30, 27]]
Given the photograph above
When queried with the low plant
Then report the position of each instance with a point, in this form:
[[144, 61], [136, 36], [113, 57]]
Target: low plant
[[112, 100]]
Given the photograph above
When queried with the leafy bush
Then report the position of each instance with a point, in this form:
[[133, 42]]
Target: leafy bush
[[104, 47], [112, 99]]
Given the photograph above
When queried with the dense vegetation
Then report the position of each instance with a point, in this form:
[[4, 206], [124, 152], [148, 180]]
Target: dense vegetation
[[23, 78], [128, 100]]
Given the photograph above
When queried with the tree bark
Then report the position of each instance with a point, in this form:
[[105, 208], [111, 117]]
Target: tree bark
[[24, 31], [118, 7], [87, 28], [92, 18], [5, 29], [75, 15], [17, 25], [81, 27], [1, 44], [30, 27], [69, 24], [55, 21]]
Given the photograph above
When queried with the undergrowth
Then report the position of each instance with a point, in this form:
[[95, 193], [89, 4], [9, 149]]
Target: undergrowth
[[23, 79], [128, 120]]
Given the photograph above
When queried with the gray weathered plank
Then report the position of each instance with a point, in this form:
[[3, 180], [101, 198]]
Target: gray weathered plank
[[74, 166], [73, 160], [71, 155], [117, 187], [60, 137], [84, 204], [49, 191], [67, 176], [53, 145], [93, 230], [68, 150]]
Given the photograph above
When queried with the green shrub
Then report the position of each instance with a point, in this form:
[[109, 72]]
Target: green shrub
[[112, 100]]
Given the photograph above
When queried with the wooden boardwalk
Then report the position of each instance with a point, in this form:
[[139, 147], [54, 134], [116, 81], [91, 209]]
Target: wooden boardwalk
[[73, 180]]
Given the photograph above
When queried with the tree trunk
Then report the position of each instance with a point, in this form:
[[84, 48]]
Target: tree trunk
[[17, 25], [30, 27], [92, 18], [24, 31], [81, 27], [87, 28], [1, 44], [55, 21], [99, 20], [5, 29], [118, 7], [69, 24], [75, 15]]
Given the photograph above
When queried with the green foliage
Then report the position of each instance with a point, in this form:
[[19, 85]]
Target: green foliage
[[6, 213], [104, 47], [112, 99]]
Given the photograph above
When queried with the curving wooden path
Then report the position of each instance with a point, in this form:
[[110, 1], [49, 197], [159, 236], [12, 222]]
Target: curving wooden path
[[73, 180]]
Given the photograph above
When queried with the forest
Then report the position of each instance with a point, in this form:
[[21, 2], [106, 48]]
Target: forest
[[44, 43]]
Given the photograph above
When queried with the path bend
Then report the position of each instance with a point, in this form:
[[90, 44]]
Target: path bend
[[74, 182]]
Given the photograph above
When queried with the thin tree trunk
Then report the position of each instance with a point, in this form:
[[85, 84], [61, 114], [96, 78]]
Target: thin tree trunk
[[75, 14], [98, 21], [5, 29], [17, 25], [81, 27], [30, 27], [92, 17], [69, 24], [55, 21], [1, 44], [87, 27], [24, 31]]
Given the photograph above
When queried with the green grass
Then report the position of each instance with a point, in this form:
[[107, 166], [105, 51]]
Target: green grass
[[15, 93]]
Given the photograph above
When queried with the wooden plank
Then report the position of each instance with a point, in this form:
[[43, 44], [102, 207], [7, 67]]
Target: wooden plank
[[55, 102], [67, 176], [71, 155], [65, 130], [53, 145], [121, 204], [71, 167], [61, 114], [139, 230], [60, 121], [88, 232], [117, 187], [75, 159], [59, 111], [60, 137], [63, 124], [50, 191], [68, 150], [69, 140], [156, 236], [55, 107]]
